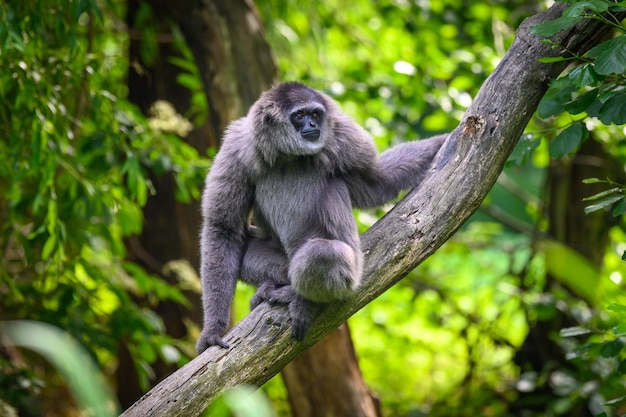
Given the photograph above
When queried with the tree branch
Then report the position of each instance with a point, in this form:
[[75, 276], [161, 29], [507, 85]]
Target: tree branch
[[462, 174]]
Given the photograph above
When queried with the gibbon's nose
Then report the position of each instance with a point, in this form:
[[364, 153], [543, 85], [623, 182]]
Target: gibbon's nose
[[310, 132]]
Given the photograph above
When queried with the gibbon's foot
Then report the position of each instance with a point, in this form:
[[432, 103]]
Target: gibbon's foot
[[302, 314], [273, 293], [206, 341]]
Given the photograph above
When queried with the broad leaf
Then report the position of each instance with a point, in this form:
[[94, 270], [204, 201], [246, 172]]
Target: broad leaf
[[614, 110], [555, 26], [610, 56], [582, 102], [612, 348], [568, 140], [584, 75], [578, 9]]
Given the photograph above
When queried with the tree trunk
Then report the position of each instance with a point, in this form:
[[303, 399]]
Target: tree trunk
[[326, 381], [171, 228], [464, 171]]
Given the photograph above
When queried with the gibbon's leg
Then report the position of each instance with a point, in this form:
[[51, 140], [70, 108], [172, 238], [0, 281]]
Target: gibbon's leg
[[324, 270], [264, 265]]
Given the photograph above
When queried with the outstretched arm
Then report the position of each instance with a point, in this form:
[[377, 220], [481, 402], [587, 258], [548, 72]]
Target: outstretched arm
[[399, 168], [226, 203]]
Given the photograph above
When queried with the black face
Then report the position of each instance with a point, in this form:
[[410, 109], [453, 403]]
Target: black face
[[308, 122]]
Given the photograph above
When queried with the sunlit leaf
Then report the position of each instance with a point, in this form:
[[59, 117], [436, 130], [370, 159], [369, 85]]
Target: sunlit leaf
[[615, 401], [550, 59], [618, 308], [619, 330], [573, 331]]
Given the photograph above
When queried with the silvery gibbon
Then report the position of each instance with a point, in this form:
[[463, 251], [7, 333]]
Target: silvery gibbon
[[277, 205]]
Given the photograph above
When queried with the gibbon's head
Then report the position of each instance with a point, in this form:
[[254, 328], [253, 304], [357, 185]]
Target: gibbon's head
[[291, 119]]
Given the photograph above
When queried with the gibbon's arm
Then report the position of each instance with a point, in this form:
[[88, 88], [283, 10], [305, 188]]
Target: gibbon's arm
[[398, 168], [226, 203]]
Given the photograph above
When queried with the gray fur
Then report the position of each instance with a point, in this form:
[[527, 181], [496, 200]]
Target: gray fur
[[303, 248]]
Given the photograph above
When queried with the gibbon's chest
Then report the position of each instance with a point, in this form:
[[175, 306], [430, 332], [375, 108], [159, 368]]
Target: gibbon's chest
[[289, 198]]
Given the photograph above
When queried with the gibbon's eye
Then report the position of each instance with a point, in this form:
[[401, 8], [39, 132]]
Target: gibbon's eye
[[315, 116], [299, 115]]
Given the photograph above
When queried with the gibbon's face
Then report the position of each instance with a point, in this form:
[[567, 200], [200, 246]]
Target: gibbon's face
[[296, 120], [308, 122]]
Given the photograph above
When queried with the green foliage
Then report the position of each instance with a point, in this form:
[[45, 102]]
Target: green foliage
[[76, 162], [593, 89], [70, 358], [607, 198], [241, 401]]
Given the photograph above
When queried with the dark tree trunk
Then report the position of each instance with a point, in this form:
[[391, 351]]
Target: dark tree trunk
[[171, 228], [326, 381]]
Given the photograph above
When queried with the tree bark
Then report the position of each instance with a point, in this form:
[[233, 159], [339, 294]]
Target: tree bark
[[464, 171], [326, 381]]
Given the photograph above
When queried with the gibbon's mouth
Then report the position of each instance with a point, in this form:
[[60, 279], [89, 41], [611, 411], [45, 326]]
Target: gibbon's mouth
[[311, 135]]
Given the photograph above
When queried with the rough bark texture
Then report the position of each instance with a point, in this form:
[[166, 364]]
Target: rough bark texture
[[464, 171], [326, 381]]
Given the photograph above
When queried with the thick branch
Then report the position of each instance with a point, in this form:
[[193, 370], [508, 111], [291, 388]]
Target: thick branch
[[463, 173]]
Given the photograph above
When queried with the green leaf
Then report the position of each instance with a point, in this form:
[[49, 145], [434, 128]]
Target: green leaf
[[603, 203], [550, 59], [615, 401], [619, 209], [49, 246], [582, 102], [603, 194], [573, 331], [618, 308], [523, 149], [584, 75], [555, 26], [622, 367], [579, 8], [612, 348], [614, 110], [593, 181], [619, 330], [610, 56], [568, 140], [552, 102]]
